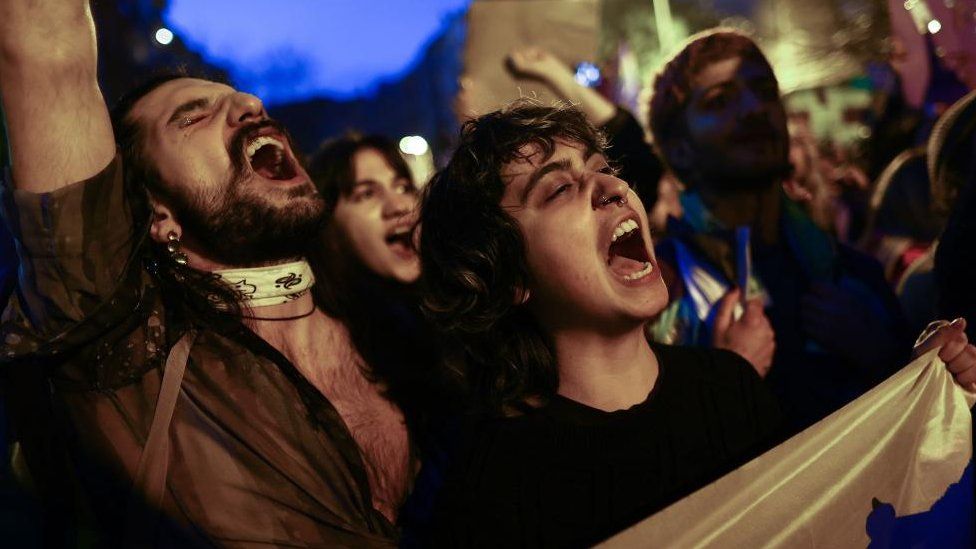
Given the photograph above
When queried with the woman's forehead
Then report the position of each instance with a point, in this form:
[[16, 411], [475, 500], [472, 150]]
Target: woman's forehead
[[531, 156]]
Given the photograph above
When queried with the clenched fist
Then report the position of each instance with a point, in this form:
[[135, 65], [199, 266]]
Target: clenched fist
[[751, 336]]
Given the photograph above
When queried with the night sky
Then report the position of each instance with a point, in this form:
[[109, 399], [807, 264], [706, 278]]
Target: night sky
[[333, 48]]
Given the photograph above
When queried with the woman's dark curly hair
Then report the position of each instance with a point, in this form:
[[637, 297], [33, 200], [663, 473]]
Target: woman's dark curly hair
[[473, 255]]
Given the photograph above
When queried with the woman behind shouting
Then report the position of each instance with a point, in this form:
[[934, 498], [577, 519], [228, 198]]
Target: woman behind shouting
[[367, 269]]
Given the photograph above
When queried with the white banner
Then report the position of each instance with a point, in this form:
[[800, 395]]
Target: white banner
[[887, 470]]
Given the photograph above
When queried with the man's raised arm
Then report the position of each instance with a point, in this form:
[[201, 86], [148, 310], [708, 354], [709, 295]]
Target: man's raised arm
[[57, 121]]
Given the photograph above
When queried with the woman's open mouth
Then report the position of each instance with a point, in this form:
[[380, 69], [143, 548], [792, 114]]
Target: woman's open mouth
[[627, 256], [400, 241]]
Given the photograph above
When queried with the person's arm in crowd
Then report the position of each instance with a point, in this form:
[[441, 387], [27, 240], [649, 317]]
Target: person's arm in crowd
[[57, 121], [539, 64], [68, 207], [627, 148], [958, 354]]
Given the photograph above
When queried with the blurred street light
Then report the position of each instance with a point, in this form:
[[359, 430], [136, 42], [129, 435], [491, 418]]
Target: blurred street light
[[164, 36], [419, 159], [587, 74], [414, 144]]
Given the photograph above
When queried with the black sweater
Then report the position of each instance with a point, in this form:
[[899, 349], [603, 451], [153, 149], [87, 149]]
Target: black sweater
[[570, 475]]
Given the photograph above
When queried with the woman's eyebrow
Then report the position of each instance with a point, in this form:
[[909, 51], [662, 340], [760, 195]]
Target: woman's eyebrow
[[559, 165]]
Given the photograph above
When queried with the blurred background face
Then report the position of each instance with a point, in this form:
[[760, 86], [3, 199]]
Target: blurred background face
[[735, 125], [377, 216]]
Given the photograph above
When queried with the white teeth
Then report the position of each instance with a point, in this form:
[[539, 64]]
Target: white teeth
[[641, 273], [261, 141], [625, 227]]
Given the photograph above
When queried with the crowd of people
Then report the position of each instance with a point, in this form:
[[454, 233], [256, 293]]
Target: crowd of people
[[568, 328]]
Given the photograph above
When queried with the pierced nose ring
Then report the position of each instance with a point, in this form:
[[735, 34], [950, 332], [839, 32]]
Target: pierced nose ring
[[620, 200]]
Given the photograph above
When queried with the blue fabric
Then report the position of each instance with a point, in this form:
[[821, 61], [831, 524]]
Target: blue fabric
[[809, 381]]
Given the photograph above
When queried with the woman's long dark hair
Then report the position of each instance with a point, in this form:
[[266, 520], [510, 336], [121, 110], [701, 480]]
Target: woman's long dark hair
[[382, 315]]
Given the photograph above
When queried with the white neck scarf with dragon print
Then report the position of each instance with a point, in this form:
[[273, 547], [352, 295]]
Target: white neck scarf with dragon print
[[274, 285]]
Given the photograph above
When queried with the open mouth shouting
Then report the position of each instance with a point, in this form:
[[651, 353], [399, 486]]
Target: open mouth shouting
[[268, 153], [627, 254], [269, 159], [400, 241]]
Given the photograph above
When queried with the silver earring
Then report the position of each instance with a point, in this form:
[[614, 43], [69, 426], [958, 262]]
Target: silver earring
[[173, 246]]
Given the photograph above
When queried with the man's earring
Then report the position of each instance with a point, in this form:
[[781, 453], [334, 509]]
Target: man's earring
[[173, 247]]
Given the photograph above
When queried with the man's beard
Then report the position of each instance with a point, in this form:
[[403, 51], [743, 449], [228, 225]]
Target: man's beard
[[723, 175], [752, 159], [235, 225], [730, 182]]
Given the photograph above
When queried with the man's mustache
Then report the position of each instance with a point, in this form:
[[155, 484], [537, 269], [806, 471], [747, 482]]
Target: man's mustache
[[236, 147]]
